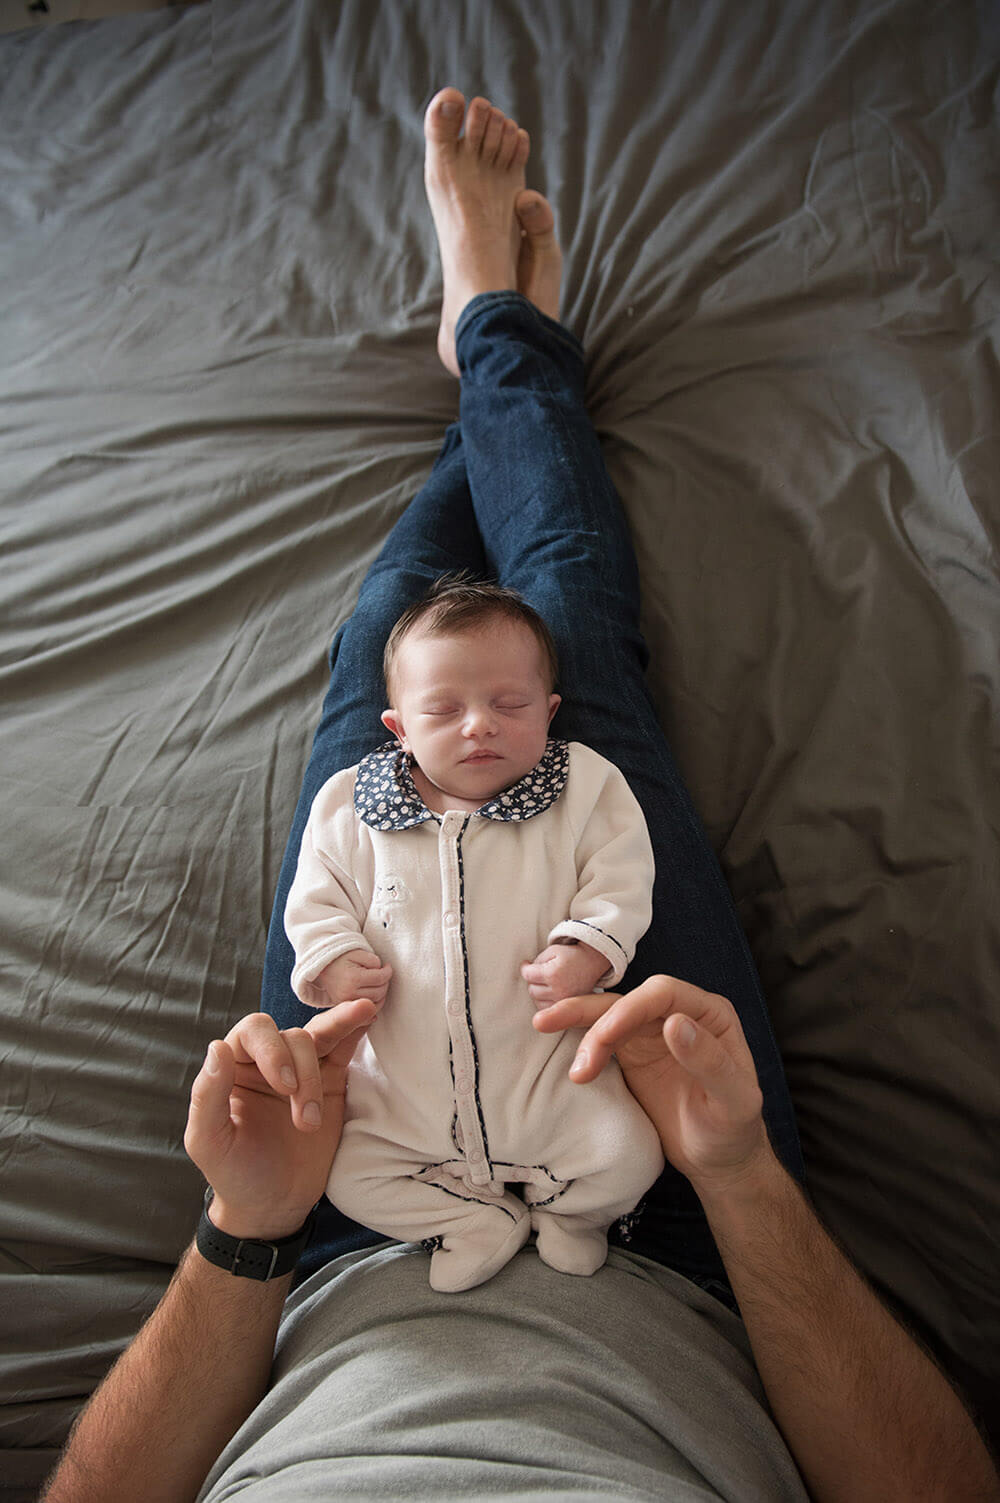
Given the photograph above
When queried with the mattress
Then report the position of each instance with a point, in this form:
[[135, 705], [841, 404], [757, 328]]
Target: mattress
[[220, 293]]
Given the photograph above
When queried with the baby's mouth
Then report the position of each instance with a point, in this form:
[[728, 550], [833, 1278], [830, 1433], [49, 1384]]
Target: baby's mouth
[[482, 756]]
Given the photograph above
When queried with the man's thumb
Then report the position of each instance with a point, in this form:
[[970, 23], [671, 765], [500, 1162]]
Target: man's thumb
[[701, 1054], [208, 1117], [685, 1033]]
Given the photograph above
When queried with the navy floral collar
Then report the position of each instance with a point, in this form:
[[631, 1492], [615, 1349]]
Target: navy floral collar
[[386, 798]]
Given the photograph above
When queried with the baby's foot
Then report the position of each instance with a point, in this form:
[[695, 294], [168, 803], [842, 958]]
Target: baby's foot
[[472, 184], [570, 1244], [539, 263], [475, 1253]]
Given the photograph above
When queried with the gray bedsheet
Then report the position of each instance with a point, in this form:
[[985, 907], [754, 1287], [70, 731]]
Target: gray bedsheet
[[219, 386]]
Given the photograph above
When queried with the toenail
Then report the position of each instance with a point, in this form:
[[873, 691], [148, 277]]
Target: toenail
[[449, 107]]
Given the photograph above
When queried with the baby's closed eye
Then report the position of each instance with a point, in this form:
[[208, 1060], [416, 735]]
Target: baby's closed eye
[[497, 704]]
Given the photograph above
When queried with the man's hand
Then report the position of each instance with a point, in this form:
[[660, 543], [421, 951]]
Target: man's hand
[[563, 971], [160, 1418], [267, 1109], [700, 1092], [357, 974]]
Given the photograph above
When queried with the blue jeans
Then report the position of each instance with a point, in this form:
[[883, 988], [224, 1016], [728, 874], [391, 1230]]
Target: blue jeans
[[520, 493]]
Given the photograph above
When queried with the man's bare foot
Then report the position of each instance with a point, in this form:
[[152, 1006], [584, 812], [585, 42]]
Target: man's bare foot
[[539, 262], [473, 181]]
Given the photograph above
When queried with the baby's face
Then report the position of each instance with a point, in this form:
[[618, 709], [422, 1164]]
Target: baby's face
[[472, 708]]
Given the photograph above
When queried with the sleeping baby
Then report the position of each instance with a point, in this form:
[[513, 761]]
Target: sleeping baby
[[449, 869]]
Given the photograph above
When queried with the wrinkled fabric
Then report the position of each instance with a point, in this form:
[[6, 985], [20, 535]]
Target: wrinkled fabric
[[630, 1385], [220, 293]]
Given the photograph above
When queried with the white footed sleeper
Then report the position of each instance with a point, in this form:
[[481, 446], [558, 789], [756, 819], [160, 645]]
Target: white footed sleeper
[[453, 1097]]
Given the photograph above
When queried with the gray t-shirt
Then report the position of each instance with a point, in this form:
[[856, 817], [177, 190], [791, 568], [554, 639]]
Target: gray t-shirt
[[630, 1384]]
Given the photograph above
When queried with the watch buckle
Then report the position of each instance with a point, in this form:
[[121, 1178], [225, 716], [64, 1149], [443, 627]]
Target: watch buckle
[[239, 1249]]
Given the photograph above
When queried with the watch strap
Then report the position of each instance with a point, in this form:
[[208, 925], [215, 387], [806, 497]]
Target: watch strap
[[246, 1257]]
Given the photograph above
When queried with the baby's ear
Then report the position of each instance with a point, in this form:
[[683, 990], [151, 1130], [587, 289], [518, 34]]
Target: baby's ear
[[392, 723]]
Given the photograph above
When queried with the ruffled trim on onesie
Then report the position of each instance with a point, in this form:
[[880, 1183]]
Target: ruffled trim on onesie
[[386, 797]]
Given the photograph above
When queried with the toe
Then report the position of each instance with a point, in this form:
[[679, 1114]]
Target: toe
[[475, 123], [493, 136], [443, 119], [534, 213], [508, 145], [523, 147], [539, 258]]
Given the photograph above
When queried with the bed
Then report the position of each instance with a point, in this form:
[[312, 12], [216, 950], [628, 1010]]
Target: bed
[[219, 390]]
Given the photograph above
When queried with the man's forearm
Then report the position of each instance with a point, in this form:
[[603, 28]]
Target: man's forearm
[[178, 1394], [865, 1413]]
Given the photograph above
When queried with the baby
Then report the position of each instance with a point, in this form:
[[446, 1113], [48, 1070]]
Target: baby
[[453, 854]]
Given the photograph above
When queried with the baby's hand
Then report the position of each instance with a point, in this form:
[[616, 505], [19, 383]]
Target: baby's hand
[[357, 974], [563, 971]]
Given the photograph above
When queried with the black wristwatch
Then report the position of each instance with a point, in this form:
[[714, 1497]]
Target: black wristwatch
[[245, 1258]]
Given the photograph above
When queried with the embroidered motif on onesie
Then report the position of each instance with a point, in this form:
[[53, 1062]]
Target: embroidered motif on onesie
[[386, 798], [390, 892]]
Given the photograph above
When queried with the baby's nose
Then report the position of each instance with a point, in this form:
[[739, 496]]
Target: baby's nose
[[479, 718]]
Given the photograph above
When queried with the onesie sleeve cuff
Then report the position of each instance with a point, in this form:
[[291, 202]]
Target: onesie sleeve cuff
[[605, 944]]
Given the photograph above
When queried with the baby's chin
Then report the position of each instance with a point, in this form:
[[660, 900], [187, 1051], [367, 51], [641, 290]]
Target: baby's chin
[[475, 790], [483, 787]]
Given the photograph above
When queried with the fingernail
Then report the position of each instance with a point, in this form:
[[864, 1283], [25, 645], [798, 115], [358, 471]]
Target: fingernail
[[687, 1032], [212, 1061], [288, 1077], [311, 1113], [580, 1063]]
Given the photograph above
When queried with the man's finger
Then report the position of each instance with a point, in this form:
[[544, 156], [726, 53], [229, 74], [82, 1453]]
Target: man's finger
[[643, 1011], [732, 1082], [255, 1040], [307, 1102], [658, 998], [329, 1028], [209, 1127], [574, 1012]]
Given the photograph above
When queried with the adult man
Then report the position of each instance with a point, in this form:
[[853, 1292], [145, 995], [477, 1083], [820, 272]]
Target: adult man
[[636, 1382]]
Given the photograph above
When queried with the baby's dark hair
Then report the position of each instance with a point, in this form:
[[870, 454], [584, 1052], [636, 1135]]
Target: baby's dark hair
[[461, 602]]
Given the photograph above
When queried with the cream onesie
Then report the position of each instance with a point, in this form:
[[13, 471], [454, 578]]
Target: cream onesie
[[453, 1096]]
